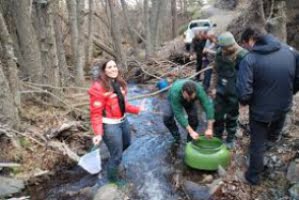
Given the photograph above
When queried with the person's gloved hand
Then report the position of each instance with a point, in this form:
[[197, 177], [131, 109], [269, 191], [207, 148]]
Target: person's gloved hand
[[97, 139]]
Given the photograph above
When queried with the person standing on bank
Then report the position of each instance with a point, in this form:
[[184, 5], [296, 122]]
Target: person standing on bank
[[210, 52], [197, 46], [108, 108], [181, 99], [267, 79], [227, 59]]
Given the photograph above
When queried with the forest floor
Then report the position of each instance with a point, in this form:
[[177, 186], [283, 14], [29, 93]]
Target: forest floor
[[41, 152]]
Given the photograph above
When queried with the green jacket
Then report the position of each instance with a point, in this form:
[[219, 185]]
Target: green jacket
[[176, 98], [226, 69]]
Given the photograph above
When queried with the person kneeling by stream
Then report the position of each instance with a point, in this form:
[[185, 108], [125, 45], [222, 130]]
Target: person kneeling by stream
[[108, 108], [181, 97]]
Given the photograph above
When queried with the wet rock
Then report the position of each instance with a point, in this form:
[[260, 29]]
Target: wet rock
[[293, 172], [294, 191], [108, 192], [207, 179], [287, 124], [148, 165], [9, 186], [196, 191], [221, 171], [272, 161], [239, 133], [215, 185], [75, 187]]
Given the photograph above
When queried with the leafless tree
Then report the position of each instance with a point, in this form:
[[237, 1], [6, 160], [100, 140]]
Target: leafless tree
[[128, 24], [89, 43], [173, 18], [73, 20], [64, 73], [148, 38], [9, 61], [115, 33], [29, 48], [8, 110]]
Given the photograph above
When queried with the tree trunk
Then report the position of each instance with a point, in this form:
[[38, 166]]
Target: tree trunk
[[278, 24], [253, 16], [116, 35], [148, 38], [9, 60], [8, 111], [173, 18], [45, 28], [128, 24], [8, 15], [63, 70], [73, 20], [89, 45], [31, 67], [82, 28], [155, 18]]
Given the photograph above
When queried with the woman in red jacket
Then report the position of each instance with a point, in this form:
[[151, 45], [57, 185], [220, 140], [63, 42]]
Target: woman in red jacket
[[108, 108]]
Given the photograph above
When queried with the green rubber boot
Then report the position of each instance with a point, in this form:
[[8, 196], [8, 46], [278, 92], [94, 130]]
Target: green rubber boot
[[114, 178]]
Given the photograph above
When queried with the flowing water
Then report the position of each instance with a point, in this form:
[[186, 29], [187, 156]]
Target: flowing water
[[150, 163]]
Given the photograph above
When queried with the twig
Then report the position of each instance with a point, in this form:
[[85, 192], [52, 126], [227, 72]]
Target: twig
[[164, 89], [158, 91], [20, 198], [54, 96], [10, 165], [271, 10], [54, 132], [157, 77], [61, 146], [6, 129], [54, 87], [184, 190]]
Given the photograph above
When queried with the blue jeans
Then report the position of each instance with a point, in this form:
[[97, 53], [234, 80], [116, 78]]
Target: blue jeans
[[117, 138]]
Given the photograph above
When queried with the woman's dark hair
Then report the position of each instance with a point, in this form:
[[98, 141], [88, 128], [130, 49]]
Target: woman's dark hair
[[105, 80], [189, 87], [254, 33]]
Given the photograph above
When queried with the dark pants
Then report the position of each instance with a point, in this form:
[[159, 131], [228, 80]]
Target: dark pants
[[261, 133], [198, 65], [226, 116], [188, 47], [207, 76], [117, 138], [168, 118]]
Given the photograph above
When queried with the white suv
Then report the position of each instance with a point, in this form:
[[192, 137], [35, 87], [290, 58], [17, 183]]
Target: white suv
[[195, 26]]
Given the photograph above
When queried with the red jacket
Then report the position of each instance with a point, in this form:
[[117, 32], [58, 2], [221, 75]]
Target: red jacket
[[103, 100]]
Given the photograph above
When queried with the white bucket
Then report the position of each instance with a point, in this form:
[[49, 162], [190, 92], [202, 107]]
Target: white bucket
[[91, 162]]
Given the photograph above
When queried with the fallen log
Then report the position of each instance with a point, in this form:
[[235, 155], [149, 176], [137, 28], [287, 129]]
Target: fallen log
[[63, 148], [9, 165], [20, 198], [55, 132], [104, 48]]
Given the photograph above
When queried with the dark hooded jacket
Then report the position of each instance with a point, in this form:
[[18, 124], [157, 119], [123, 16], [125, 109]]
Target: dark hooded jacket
[[266, 79]]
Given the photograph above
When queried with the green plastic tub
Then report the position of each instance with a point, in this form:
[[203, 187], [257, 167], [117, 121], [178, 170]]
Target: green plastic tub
[[207, 154]]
